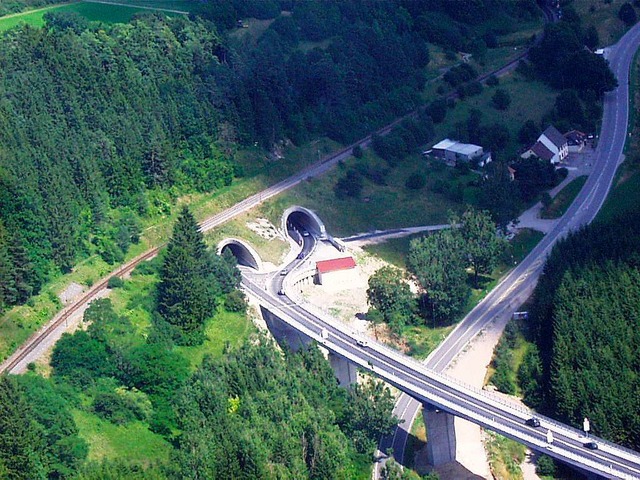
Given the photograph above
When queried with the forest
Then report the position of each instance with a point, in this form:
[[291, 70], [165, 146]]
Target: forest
[[584, 323], [103, 126], [253, 411]]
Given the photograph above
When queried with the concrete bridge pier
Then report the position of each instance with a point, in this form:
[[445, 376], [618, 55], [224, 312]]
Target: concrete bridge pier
[[344, 370], [284, 334], [441, 435]]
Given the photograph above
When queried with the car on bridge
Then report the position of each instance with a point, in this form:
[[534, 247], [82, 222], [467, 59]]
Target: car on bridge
[[362, 343], [591, 445], [533, 422]]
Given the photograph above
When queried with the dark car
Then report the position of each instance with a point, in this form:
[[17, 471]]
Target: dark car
[[591, 445], [300, 255], [533, 422]]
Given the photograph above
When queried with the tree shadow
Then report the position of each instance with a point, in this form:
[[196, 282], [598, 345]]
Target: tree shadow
[[448, 471], [483, 281]]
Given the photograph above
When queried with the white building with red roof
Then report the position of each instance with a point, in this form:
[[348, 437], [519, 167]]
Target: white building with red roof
[[334, 269]]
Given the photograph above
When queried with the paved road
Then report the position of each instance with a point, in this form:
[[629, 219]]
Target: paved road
[[516, 287], [429, 386]]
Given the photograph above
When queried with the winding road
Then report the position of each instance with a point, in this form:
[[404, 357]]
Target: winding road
[[518, 285]]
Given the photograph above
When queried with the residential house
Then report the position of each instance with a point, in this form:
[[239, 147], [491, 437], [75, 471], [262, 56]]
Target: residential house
[[551, 146]]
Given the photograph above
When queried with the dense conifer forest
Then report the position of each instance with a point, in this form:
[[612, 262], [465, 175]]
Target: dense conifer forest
[[103, 125], [585, 325]]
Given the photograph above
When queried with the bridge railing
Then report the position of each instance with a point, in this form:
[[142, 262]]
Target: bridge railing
[[480, 393], [536, 442]]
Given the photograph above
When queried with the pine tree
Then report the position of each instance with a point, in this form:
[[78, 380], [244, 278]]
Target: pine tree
[[185, 291], [20, 440]]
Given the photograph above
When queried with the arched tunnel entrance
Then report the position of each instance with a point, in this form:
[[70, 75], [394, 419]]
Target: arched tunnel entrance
[[302, 219], [245, 253]]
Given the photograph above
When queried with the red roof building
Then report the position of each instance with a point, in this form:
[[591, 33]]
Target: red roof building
[[324, 267]]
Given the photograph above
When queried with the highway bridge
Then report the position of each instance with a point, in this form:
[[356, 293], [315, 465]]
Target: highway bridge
[[278, 297]]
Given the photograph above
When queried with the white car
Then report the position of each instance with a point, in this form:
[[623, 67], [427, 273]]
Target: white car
[[362, 343]]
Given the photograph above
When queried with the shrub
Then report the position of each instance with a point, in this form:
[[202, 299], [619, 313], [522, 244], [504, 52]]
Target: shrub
[[349, 186], [116, 408], [236, 301], [357, 151], [416, 181], [501, 99], [115, 282], [474, 88], [627, 14], [546, 466], [492, 81], [546, 199], [437, 110]]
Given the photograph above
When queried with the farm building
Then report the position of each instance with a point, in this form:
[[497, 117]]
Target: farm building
[[453, 151]]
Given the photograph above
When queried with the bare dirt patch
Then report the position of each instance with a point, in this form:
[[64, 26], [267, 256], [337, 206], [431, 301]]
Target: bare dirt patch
[[345, 297], [264, 228], [71, 293]]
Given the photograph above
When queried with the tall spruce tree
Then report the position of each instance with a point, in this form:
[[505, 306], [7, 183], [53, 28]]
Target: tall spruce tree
[[186, 293], [20, 440]]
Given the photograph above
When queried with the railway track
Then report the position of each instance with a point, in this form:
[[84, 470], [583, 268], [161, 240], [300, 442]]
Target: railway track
[[315, 169], [13, 361]]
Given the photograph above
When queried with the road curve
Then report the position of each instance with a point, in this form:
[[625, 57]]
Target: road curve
[[518, 285]]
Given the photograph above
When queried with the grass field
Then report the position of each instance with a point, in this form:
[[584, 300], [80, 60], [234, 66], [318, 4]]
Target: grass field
[[226, 329], [603, 14], [379, 207], [135, 301], [530, 100], [97, 12], [564, 199], [132, 442], [393, 251]]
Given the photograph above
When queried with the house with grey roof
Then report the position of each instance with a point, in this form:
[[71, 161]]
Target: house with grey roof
[[551, 146]]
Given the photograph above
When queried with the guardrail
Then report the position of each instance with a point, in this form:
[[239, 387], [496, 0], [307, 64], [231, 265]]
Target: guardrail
[[474, 393]]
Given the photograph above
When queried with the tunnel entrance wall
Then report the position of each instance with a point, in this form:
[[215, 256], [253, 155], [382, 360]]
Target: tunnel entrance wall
[[304, 218], [245, 253]]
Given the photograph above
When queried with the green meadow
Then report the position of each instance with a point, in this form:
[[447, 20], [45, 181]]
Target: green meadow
[[95, 12]]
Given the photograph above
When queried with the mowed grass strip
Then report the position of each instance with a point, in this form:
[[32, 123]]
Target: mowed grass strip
[[564, 198], [133, 442]]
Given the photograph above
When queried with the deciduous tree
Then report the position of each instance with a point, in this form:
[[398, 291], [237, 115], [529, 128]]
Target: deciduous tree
[[481, 244], [437, 262]]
